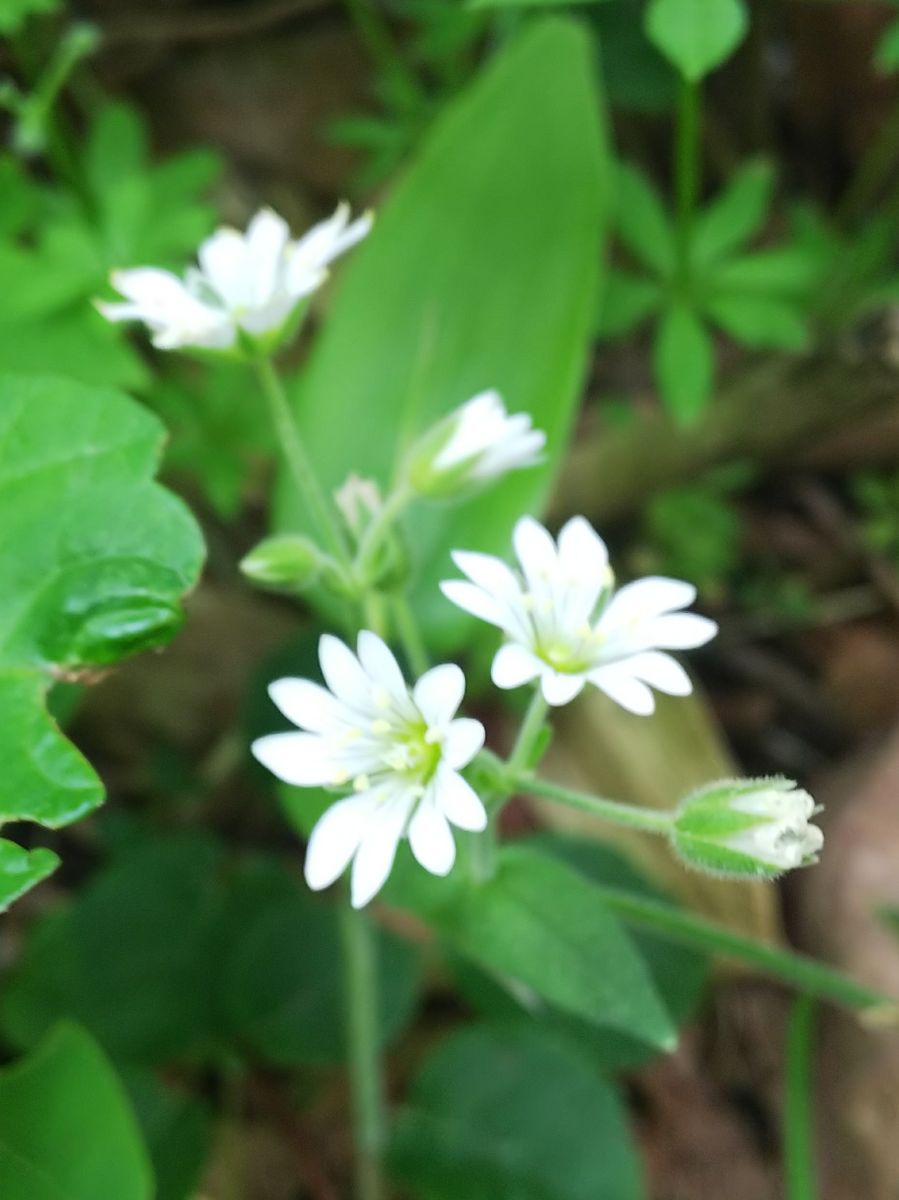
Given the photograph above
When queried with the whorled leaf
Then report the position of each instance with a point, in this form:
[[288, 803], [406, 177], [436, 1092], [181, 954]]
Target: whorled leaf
[[96, 557]]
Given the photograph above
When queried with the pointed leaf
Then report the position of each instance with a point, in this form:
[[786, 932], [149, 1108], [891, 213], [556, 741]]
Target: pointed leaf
[[480, 272], [642, 222], [541, 924], [734, 216], [626, 301], [758, 321], [684, 363]]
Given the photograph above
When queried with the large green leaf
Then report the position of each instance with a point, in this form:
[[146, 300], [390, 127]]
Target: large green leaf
[[513, 1116], [96, 557], [481, 272], [66, 1129], [539, 924]]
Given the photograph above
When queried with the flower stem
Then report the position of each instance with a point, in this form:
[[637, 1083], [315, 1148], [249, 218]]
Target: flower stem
[[609, 810], [686, 166], [530, 731], [380, 526], [799, 1164], [409, 633], [361, 994], [298, 462], [688, 929]]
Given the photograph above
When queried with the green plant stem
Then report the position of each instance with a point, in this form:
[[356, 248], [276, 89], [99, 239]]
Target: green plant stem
[[799, 1165], [361, 995], [610, 810], [298, 463], [686, 166], [380, 527], [530, 731], [409, 633], [804, 973]]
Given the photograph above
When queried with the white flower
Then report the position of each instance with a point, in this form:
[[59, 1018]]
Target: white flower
[[401, 752], [783, 837], [248, 283], [756, 827], [566, 626], [476, 443]]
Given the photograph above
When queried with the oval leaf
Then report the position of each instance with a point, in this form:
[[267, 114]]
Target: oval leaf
[[696, 35]]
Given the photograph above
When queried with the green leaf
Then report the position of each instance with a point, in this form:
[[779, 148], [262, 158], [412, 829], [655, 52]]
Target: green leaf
[[763, 322], [480, 272], [678, 973], [14, 13], [696, 35], [734, 216], [627, 300], [177, 1130], [66, 1129], [130, 959], [542, 925], [96, 558], [289, 1008], [792, 271], [513, 1116], [886, 53], [21, 869], [642, 222], [684, 363]]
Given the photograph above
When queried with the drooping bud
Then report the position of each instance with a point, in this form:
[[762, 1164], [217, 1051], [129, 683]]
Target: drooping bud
[[747, 828], [475, 444]]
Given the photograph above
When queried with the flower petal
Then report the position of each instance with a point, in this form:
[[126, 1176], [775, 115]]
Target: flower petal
[[431, 838], [514, 665], [305, 703], [646, 598], [266, 240], [439, 693], [459, 801], [661, 671], [335, 839], [536, 551], [560, 688], [624, 689], [463, 740], [475, 601], [679, 631], [300, 759], [343, 673], [225, 264], [583, 555], [374, 858], [380, 665]]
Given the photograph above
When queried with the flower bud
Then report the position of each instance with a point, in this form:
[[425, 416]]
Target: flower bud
[[475, 444], [386, 563], [284, 561], [747, 827]]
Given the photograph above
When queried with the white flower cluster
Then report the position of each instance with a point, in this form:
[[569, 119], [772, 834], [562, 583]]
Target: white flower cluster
[[246, 283]]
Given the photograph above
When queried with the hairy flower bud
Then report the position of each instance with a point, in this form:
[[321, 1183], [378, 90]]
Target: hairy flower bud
[[747, 827]]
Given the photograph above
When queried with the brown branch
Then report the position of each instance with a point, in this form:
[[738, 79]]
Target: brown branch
[[774, 413], [206, 24]]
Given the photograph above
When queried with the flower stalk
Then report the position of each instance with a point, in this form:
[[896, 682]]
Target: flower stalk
[[361, 998], [627, 815], [301, 470]]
